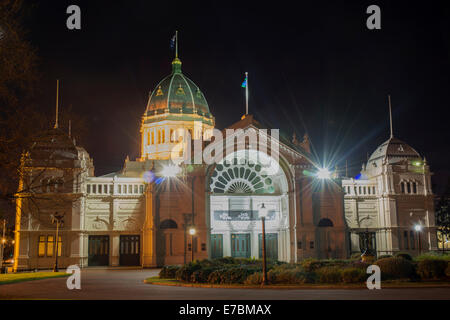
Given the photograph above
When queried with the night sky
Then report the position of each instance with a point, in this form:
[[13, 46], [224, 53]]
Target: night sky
[[313, 67]]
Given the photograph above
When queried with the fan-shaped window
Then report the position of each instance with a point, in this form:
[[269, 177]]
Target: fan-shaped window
[[325, 222], [240, 177], [168, 224]]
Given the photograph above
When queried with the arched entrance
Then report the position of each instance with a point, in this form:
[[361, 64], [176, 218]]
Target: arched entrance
[[245, 186]]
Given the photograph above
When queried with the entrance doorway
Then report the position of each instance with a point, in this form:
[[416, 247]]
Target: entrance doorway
[[271, 246], [129, 250], [240, 245], [98, 251], [216, 246]]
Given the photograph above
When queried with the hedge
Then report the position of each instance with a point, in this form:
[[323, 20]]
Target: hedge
[[432, 268], [395, 268]]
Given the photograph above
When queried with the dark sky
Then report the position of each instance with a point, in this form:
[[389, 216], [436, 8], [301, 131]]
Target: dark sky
[[313, 66]]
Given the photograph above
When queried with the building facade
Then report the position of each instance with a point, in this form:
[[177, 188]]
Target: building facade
[[142, 215]]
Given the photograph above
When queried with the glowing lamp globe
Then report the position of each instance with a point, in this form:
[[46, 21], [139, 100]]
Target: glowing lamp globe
[[170, 171], [418, 227], [323, 173], [191, 231]]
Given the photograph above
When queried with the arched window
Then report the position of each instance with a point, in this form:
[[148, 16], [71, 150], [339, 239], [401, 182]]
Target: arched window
[[414, 187], [168, 224], [402, 185], [408, 187], [325, 222]]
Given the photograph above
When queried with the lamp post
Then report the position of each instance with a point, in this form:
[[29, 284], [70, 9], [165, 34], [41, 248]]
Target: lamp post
[[418, 229], [264, 255], [192, 233], [58, 219]]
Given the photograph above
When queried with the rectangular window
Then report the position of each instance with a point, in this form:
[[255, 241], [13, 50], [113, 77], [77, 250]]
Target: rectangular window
[[359, 189], [94, 188], [135, 188], [124, 188], [50, 240], [99, 188], [111, 189], [59, 246], [141, 189], [412, 240], [88, 188], [405, 239], [41, 248], [299, 245], [119, 188], [311, 244], [373, 189], [130, 188]]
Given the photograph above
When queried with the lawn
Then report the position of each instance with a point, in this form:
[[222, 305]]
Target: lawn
[[27, 276]]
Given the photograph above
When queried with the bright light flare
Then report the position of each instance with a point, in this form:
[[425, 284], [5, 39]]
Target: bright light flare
[[170, 171], [418, 227], [192, 231], [323, 173]]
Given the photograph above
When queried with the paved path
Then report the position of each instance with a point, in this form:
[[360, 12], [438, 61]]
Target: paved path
[[128, 284]]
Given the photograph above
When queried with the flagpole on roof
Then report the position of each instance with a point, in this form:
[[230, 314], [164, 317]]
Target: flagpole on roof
[[390, 115], [246, 93], [176, 44]]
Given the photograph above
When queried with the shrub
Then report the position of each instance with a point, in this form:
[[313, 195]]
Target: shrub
[[447, 270], [254, 279], [355, 256], [404, 255], [395, 268], [353, 275], [329, 275], [383, 256], [360, 265], [310, 264], [215, 276], [431, 268], [169, 272], [433, 255], [185, 272], [237, 274], [202, 275], [290, 276]]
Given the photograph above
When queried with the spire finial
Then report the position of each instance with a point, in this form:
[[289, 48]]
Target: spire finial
[[57, 100], [390, 115], [176, 63]]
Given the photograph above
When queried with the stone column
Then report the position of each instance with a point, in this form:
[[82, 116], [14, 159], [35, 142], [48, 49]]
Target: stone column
[[149, 231]]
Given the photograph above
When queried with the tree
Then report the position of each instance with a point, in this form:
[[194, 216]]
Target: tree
[[442, 214]]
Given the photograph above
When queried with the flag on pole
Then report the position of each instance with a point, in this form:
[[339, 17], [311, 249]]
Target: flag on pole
[[244, 84], [172, 41]]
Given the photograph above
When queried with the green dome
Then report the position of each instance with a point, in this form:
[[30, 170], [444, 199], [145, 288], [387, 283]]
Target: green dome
[[177, 94]]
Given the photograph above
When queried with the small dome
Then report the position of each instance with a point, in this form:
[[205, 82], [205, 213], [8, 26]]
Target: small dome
[[393, 150], [177, 94]]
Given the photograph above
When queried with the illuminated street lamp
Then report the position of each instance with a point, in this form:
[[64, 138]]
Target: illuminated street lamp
[[58, 220], [192, 233], [323, 173], [418, 229], [170, 171], [264, 255]]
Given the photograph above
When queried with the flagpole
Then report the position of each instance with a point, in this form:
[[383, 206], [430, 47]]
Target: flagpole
[[246, 93], [176, 44]]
